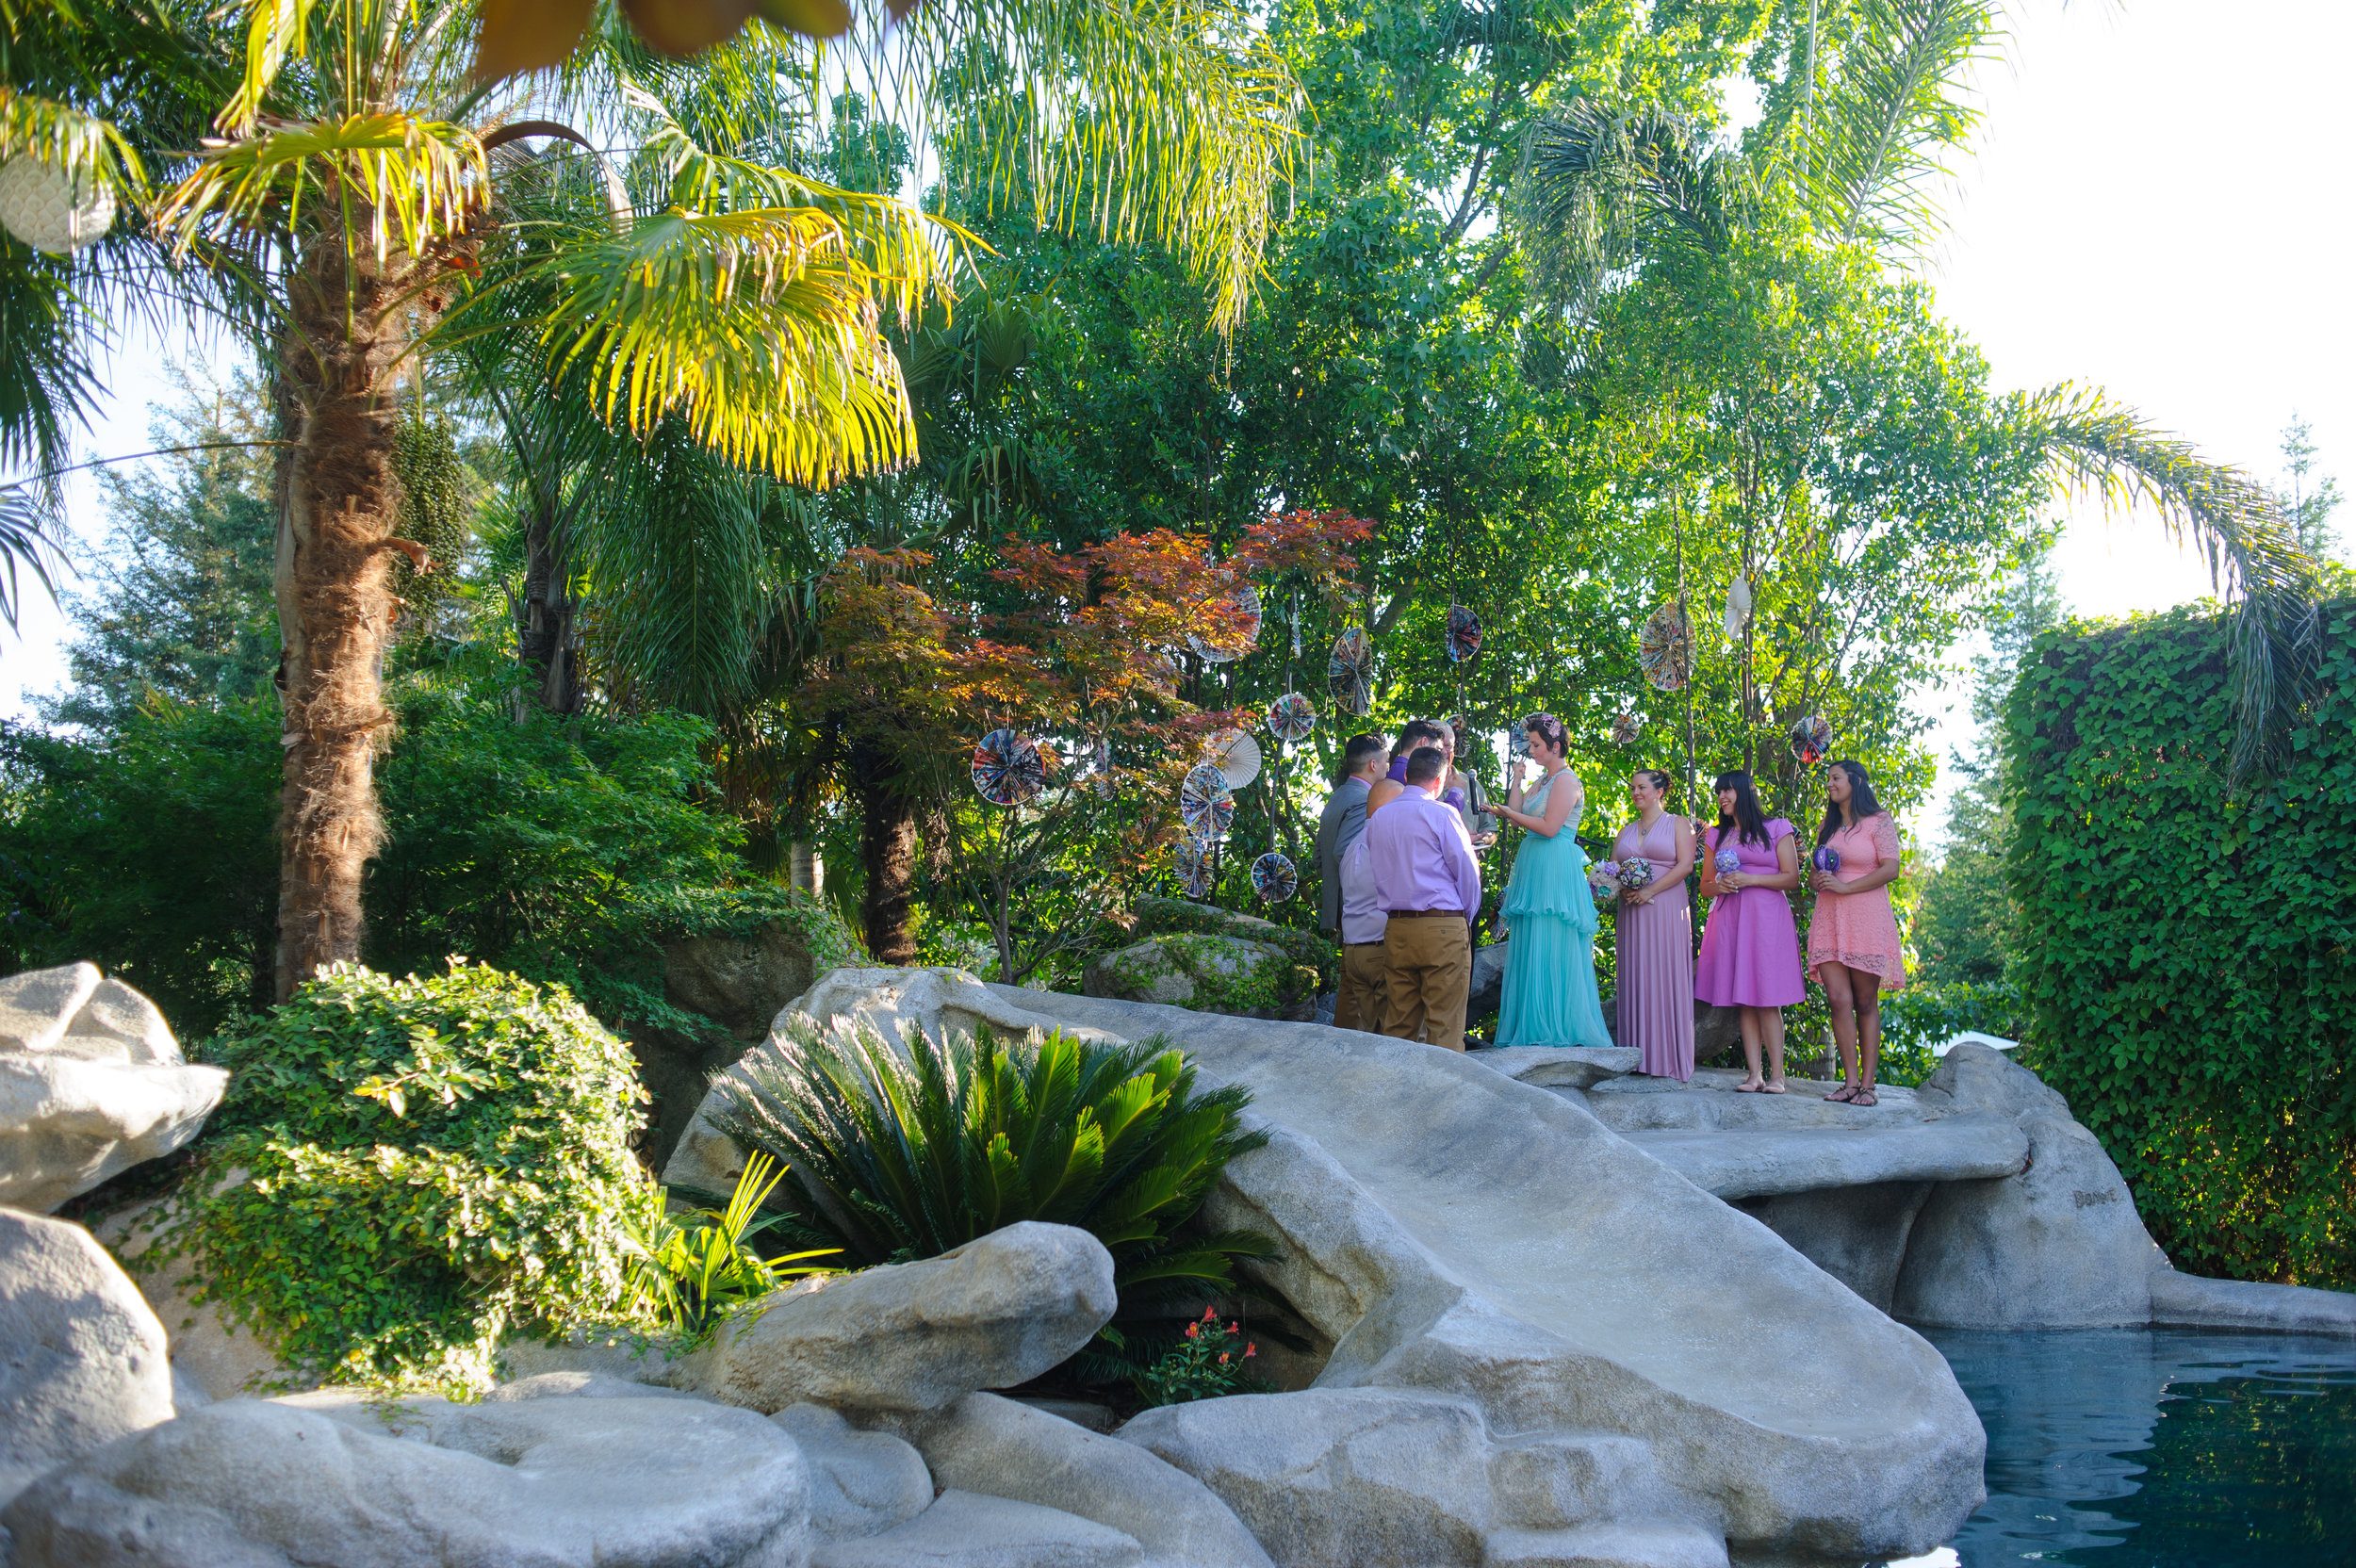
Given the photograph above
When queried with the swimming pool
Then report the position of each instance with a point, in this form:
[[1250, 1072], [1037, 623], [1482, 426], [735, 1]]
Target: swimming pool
[[2139, 1448]]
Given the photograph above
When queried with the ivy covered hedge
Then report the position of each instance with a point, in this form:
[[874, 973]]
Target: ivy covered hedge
[[2188, 950]]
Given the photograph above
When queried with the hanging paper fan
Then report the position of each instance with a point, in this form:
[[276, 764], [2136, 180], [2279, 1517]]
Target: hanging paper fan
[[1205, 804], [1517, 741], [1233, 645], [1464, 634], [1007, 768], [1738, 607], [1349, 671], [1197, 865], [1296, 626], [1811, 740], [1626, 729], [1291, 717], [1666, 651], [1273, 878], [1235, 755], [1092, 764]]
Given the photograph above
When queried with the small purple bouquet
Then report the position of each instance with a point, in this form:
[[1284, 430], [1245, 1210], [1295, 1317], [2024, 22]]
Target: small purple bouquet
[[1637, 873], [1726, 860], [1829, 859]]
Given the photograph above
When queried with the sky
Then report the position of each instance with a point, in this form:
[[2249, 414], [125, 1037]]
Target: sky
[[2149, 206]]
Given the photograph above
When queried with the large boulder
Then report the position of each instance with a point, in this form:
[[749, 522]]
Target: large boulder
[[917, 1336], [965, 1530], [861, 1484], [92, 1083], [989, 1444], [82, 1360], [1209, 974], [2058, 1246], [214, 1356], [540, 1483]]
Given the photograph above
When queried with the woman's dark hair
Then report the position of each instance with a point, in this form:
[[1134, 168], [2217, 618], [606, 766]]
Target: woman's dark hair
[[1748, 818], [1660, 780], [1861, 802], [1548, 728]]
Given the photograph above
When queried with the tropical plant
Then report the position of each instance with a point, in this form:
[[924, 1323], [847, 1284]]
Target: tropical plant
[[901, 1151], [691, 1274], [1207, 1363]]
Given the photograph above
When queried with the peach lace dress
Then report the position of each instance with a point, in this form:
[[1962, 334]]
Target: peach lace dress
[[1858, 929]]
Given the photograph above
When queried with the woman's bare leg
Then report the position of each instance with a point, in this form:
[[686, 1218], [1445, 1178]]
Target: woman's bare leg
[[1841, 1002], [1749, 1019], [1771, 1025], [1867, 988]]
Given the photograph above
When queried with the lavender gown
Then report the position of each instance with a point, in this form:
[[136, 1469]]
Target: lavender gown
[[1656, 960]]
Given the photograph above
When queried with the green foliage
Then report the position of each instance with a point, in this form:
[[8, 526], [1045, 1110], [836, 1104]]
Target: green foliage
[[897, 1155], [1923, 1016], [430, 1165], [2185, 950], [437, 506], [1155, 917], [1207, 1363], [691, 1274]]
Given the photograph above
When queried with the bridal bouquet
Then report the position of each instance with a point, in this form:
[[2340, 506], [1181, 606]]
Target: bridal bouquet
[[1603, 880], [1829, 859], [1636, 873], [1726, 860]]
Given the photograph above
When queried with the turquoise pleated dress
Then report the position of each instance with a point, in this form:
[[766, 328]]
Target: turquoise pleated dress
[[1550, 996]]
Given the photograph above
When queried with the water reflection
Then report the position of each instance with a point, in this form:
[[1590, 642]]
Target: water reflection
[[2132, 1448]]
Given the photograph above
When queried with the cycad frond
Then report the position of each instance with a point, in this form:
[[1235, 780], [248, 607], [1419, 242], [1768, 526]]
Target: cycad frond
[[2234, 521]]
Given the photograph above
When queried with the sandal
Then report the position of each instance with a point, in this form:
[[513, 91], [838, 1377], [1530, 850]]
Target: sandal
[[1845, 1094], [1864, 1096], [1748, 1088], [1773, 1089]]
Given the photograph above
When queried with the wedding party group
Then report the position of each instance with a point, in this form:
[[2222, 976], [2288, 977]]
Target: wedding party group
[[1399, 849]]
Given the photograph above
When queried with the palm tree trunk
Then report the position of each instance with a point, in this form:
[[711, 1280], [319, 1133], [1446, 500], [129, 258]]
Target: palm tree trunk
[[350, 325], [888, 846], [546, 642]]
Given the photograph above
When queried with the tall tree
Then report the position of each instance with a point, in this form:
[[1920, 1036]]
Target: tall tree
[[2311, 497]]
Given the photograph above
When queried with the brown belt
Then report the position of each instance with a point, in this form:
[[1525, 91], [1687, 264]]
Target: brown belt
[[1424, 914], [1347, 945]]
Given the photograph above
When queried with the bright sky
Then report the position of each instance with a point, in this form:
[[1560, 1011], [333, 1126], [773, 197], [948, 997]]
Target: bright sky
[[2152, 208]]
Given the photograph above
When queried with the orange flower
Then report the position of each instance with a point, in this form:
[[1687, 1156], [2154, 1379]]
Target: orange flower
[[1223, 1358], [1193, 1329]]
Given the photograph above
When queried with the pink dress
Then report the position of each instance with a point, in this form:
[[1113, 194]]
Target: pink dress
[[1751, 947], [1859, 929], [1656, 960]]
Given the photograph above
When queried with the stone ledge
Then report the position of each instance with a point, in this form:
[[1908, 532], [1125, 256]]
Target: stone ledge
[[1568, 1067], [2189, 1301], [1760, 1162]]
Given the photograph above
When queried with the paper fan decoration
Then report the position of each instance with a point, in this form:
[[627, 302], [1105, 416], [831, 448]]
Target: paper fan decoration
[[1738, 607], [1666, 651], [1235, 645], [1205, 804], [1517, 741], [1811, 740], [1464, 634], [1235, 755], [1007, 768], [1197, 866], [1349, 671], [1092, 764], [1291, 717], [1273, 878], [1625, 729]]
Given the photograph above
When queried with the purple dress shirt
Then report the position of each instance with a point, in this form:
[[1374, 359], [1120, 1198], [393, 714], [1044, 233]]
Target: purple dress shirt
[[1422, 856], [1362, 917], [1399, 776]]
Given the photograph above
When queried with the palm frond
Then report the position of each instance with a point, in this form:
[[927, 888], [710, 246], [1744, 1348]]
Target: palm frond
[[415, 181], [1870, 155], [83, 147], [27, 542], [276, 32], [2234, 522], [1601, 190]]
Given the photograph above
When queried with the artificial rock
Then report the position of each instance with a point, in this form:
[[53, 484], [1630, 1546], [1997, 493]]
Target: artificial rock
[[91, 1084], [965, 1530], [916, 1336], [1207, 973], [82, 1358], [356, 1483], [1761, 1162], [861, 1483]]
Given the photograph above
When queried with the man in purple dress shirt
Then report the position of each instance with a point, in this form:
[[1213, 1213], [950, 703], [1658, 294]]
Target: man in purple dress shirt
[[1428, 885]]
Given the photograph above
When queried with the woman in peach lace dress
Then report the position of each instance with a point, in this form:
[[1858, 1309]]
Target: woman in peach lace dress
[[1853, 938]]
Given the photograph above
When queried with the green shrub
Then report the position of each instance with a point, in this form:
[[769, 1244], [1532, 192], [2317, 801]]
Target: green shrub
[[1162, 916], [1922, 1017], [893, 1155], [430, 1164], [2188, 950], [692, 1270], [1207, 1362]]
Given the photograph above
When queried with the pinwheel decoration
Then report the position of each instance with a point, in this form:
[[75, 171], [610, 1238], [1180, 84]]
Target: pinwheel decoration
[[1626, 729], [1349, 671], [1235, 755], [1205, 804], [1007, 768], [1464, 634], [1811, 740], [1197, 865], [1291, 717], [1273, 878], [1665, 651], [1232, 646], [1517, 741]]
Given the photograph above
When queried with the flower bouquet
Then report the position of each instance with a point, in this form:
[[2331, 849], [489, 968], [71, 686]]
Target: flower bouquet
[[1603, 880], [1637, 873], [1726, 860], [1827, 859]]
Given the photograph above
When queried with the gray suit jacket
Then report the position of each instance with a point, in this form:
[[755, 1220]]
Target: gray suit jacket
[[1345, 818]]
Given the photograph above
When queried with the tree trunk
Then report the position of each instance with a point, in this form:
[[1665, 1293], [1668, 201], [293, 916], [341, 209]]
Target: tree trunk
[[888, 847], [546, 641], [350, 324]]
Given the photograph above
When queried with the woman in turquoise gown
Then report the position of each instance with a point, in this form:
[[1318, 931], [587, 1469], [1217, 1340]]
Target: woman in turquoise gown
[[1550, 993]]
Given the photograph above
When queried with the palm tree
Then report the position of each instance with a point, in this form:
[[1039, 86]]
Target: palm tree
[[355, 187], [1848, 153]]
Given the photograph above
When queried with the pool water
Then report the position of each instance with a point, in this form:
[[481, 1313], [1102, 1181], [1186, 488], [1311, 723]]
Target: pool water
[[2135, 1449]]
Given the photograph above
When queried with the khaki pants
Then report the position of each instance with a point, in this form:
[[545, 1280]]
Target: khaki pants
[[1358, 1004], [1428, 979]]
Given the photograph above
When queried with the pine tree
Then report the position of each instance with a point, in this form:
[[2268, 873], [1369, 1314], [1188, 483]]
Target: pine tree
[[2309, 502]]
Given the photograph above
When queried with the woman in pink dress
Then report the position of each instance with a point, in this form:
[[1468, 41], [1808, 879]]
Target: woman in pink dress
[[1656, 939], [1853, 938], [1751, 947]]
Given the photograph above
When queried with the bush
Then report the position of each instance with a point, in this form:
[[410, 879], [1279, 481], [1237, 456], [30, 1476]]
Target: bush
[[2188, 951], [894, 1155], [1207, 1362], [430, 1164], [1161, 917], [1922, 1017]]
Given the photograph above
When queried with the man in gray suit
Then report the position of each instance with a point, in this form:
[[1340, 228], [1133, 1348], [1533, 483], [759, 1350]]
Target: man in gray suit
[[1344, 819]]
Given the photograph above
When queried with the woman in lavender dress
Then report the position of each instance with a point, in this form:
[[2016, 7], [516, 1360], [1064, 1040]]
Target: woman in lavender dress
[[1751, 947], [1655, 947]]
